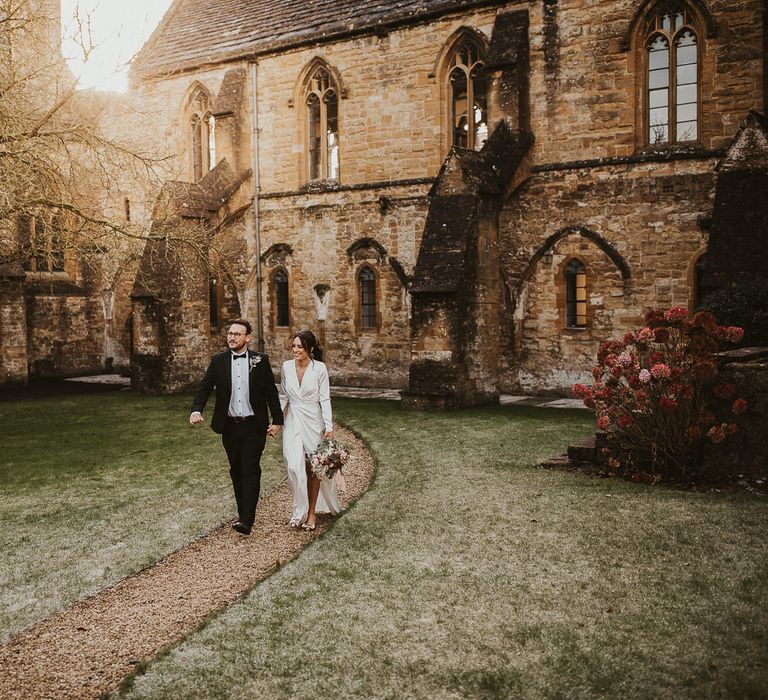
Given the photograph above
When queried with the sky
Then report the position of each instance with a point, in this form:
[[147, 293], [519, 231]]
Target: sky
[[119, 28]]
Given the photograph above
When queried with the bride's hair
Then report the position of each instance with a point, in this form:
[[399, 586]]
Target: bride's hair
[[309, 343]]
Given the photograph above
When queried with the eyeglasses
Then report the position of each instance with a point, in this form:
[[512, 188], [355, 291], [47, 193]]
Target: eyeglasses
[[230, 334]]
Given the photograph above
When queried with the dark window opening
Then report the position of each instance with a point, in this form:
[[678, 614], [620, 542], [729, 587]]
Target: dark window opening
[[575, 295], [213, 304], [282, 309], [367, 298]]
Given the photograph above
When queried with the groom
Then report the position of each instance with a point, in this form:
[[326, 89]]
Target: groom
[[245, 388]]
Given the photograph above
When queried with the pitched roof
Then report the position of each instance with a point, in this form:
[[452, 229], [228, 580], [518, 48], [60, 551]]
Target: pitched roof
[[197, 32]]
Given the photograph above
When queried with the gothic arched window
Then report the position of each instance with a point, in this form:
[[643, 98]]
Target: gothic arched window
[[575, 295], [468, 90], [322, 105], [281, 299], [367, 287], [202, 134], [672, 76]]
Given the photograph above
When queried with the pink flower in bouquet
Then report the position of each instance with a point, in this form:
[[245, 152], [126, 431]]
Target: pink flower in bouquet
[[676, 313], [603, 422], [734, 334], [629, 338], [661, 371], [739, 407], [644, 376]]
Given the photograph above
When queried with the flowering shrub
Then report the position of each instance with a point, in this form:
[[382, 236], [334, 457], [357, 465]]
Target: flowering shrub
[[655, 391]]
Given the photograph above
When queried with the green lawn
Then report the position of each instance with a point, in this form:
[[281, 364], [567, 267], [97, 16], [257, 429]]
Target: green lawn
[[96, 487], [464, 572]]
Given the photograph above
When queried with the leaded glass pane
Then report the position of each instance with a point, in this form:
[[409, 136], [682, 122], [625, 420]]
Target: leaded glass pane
[[313, 121]]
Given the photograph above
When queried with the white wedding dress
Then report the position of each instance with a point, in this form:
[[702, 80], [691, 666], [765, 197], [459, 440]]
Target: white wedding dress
[[307, 411]]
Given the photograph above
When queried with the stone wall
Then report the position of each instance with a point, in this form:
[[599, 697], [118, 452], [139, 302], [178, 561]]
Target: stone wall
[[13, 330], [637, 231], [634, 216]]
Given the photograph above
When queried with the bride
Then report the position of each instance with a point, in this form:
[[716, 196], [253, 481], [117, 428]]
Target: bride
[[306, 402]]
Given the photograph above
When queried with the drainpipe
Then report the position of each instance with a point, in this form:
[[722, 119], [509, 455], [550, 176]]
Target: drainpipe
[[256, 193]]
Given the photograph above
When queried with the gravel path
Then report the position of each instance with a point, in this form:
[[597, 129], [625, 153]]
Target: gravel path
[[87, 650]]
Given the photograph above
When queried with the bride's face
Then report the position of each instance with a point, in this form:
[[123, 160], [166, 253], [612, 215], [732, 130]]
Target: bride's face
[[299, 353]]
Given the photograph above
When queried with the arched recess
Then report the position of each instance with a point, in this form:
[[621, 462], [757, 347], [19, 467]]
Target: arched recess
[[308, 71], [367, 248], [452, 42], [649, 7], [550, 243], [442, 68], [693, 276], [277, 251]]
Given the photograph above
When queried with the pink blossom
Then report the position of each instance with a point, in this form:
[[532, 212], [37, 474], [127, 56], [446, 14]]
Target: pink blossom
[[623, 420], [739, 407], [661, 371], [644, 376], [716, 433], [645, 334], [625, 359], [667, 404], [603, 422], [676, 313]]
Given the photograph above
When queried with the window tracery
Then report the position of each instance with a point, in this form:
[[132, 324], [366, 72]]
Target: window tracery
[[468, 94], [322, 109], [672, 76]]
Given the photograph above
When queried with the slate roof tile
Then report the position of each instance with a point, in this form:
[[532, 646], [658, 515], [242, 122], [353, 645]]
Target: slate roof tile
[[195, 32]]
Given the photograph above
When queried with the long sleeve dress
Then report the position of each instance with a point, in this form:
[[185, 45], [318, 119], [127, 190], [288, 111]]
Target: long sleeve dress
[[307, 411]]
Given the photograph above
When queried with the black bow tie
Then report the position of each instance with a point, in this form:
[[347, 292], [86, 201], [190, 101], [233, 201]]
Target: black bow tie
[[239, 357]]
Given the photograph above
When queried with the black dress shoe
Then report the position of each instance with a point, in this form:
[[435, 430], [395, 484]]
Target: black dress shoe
[[242, 529]]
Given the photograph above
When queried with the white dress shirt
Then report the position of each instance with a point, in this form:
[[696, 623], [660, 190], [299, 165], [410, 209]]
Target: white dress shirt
[[239, 402]]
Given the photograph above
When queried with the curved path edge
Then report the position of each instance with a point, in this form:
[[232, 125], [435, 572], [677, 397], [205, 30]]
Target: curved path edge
[[89, 649]]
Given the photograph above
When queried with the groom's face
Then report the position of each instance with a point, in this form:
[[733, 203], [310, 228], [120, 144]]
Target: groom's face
[[237, 337]]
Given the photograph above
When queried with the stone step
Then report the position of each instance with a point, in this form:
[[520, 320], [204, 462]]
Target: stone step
[[582, 451]]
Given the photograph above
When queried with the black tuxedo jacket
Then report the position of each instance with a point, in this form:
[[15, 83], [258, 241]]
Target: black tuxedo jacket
[[261, 389]]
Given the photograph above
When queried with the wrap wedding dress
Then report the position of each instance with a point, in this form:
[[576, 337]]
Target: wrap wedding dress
[[307, 411]]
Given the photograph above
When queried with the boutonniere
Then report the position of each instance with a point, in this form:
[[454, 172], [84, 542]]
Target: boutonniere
[[253, 361]]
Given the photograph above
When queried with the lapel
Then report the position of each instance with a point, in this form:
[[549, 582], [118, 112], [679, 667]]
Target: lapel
[[228, 372]]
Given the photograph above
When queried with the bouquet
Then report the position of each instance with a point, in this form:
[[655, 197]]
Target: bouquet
[[328, 459]]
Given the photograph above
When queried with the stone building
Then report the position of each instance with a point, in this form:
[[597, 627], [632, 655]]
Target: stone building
[[59, 315], [460, 197]]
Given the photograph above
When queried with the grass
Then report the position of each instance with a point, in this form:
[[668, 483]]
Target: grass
[[96, 487], [465, 572]]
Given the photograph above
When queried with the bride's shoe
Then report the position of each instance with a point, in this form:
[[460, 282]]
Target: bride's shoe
[[295, 524], [308, 527]]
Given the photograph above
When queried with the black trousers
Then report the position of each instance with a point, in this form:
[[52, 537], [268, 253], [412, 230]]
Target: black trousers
[[244, 443]]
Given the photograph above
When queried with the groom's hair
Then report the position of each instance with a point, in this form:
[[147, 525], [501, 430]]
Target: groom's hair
[[243, 322]]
